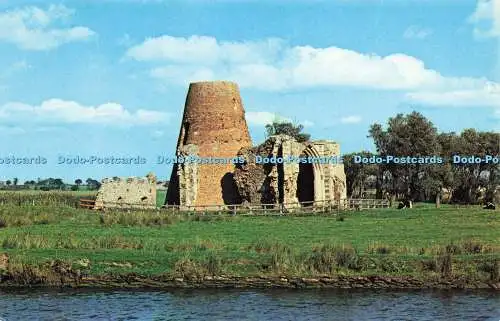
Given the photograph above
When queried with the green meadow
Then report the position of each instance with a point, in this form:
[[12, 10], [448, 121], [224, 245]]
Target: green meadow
[[423, 242]]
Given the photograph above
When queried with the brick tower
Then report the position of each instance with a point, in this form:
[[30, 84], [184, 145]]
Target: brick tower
[[213, 125]]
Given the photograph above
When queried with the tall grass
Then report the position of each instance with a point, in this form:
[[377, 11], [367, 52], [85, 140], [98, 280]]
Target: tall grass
[[25, 215], [43, 198]]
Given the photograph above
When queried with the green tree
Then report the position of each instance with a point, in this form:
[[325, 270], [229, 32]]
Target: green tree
[[78, 182], [468, 179], [58, 183], [407, 135], [92, 184], [15, 181], [357, 173], [287, 128], [381, 140]]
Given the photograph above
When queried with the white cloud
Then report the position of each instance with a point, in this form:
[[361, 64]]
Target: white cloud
[[273, 65], [31, 28], [488, 96], [486, 18], [458, 98], [416, 32], [63, 111], [202, 49], [262, 118], [353, 119]]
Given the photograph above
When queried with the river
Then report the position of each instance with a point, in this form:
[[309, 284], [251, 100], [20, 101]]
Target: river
[[249, 305]]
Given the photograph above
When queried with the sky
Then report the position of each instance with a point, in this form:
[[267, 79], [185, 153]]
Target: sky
[[109, 78]]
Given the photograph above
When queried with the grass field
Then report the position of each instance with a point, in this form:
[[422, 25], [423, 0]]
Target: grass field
[[160, 197], [44, 198], [423, 241], [38, 197]]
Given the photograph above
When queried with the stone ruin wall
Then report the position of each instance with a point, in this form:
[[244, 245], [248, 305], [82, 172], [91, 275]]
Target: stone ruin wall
[[213, 125], [188, 176], [334, 178], [127, 192], [259, 183]]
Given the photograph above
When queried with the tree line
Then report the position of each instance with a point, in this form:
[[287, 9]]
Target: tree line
[[416, 136], [51, 184]]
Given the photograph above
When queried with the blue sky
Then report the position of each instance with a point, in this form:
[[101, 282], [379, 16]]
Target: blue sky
[[109, 77]]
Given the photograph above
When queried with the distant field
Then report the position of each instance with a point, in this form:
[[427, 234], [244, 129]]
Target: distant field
[[36, 192], [44, 198], [384, 242], [160, 197], [39, 197]]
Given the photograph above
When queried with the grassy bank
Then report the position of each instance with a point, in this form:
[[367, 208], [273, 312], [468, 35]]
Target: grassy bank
[[422, 243]]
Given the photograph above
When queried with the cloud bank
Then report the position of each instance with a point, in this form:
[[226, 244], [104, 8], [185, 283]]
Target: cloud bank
[[34, 28], [273, 65], [70, 112], [486, 18]]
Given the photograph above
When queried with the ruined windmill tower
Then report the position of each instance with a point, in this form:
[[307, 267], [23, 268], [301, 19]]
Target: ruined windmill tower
[[213, 125]]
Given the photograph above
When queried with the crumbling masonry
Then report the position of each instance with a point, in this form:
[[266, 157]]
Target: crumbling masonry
[[214, 125], [139, 192], [293, 182]]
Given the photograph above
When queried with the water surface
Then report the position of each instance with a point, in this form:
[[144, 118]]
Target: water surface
[[249, 305]]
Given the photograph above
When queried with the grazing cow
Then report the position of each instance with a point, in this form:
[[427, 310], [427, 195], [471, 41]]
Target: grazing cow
[[405, 204], [489, 206]]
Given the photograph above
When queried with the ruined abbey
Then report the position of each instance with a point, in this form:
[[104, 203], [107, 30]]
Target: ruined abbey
[[214, 125]]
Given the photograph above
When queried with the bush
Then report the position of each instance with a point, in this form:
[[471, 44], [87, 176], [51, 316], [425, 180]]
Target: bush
[[429, 265], [453, 249], [326, 258], [188, 269], [347, 257], [282, 259], [390, 265], [379, 249], [492, 267], [472, 247], [322, 260], [213, 264], [444, 264]]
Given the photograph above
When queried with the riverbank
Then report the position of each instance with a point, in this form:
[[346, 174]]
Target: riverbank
[[133, 281], [422, 247], [190, 274]]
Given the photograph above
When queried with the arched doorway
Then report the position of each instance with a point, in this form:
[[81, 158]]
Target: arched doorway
[[281, 178], [305, 183]]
